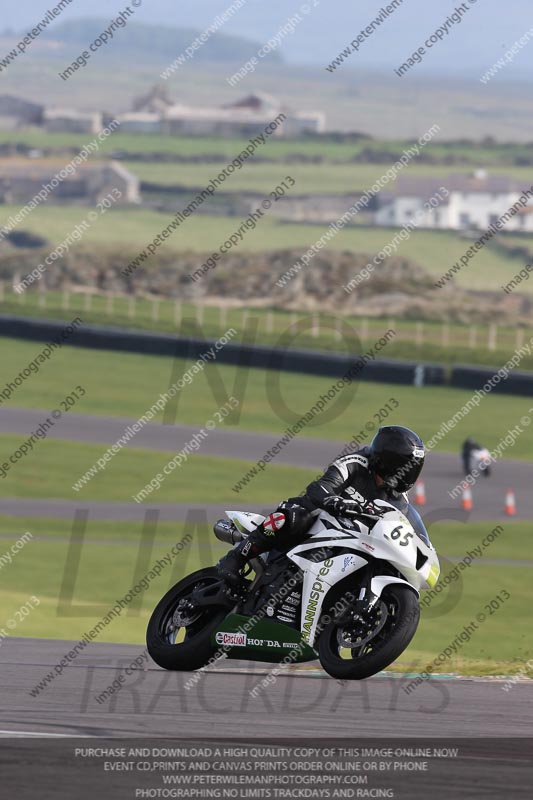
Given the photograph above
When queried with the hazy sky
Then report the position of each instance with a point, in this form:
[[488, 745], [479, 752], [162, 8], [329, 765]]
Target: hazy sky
[[488, 29]]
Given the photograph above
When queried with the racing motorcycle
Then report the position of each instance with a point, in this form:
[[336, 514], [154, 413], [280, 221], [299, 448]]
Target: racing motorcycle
[[347, 595], [480, 461]]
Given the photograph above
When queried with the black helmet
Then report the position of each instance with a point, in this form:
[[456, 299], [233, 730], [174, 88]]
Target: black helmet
[[397, 456]]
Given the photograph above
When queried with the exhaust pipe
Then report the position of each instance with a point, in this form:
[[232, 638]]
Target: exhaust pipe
[[226, 531]]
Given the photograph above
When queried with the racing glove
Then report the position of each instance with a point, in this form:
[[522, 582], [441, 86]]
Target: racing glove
[[339, 507], [295, 514]]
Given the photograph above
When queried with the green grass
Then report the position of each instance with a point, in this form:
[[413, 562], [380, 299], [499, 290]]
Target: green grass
[[126, 385], [449, 343], [263, 178], [502, 642], [455, 539], [500, 645], [105, 572], [436, 251], [322, 178], [474, 154], [53, 467], [106, 569]]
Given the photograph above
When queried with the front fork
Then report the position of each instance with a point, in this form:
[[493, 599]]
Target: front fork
[[364, 602], [366, 598]]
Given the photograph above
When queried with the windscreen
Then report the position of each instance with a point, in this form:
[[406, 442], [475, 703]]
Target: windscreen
[[413, 516]]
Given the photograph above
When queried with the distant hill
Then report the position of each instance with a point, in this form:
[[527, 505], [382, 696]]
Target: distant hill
[[489, 29], [154, 42]]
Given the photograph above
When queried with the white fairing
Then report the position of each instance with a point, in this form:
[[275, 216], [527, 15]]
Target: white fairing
[[245, 520], [391, 539], [480, 459]]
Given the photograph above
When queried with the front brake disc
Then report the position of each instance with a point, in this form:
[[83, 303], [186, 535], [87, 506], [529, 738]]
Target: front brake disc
[[363, 628], [184, 615]]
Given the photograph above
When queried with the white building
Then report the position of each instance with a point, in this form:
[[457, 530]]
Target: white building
[[68, 120], [21, 179], [474, 202], [15, 111], [248, 116], [140, 122], [187, 121]]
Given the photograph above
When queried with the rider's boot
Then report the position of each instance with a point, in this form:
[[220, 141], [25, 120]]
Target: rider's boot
[[230, 566]]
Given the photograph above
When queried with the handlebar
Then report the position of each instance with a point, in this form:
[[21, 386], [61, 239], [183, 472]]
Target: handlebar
[[374, 514]]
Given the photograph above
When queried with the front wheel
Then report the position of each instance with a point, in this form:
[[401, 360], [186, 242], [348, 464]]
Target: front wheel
[[364, 645], [178, 636]]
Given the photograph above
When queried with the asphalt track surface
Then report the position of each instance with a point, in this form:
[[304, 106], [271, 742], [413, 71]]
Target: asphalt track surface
[[442, 471], [304, 703]]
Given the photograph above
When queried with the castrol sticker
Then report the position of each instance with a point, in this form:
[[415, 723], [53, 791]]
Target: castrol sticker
[[232, 639]]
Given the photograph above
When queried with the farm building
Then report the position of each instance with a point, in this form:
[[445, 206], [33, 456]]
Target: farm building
[[474, 202], [15, 111], [22, 179], [248, 116], [57, 120]]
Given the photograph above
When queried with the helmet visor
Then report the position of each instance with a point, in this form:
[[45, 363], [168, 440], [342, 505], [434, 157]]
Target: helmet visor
[[400, 472]]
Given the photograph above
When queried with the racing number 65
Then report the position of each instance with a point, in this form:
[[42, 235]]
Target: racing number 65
[[397, 532]]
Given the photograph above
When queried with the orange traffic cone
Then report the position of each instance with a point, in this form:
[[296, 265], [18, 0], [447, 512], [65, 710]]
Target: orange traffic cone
[[510, 503], [466, 502], [420, 493]]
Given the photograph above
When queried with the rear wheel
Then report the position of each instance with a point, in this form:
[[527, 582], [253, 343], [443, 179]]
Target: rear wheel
[[364, 645], [179, 636]]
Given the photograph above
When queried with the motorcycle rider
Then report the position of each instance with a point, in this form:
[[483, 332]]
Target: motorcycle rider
[[468, 447], [475, 458], [385, 470]]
